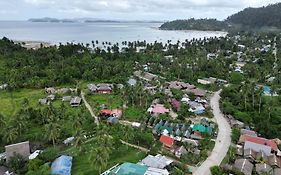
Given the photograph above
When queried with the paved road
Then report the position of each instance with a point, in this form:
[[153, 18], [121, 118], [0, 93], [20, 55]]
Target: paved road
[[89, 108], [222, 142]]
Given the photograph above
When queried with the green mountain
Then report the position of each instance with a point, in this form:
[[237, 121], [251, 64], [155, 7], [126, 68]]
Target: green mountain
[[269, 16]]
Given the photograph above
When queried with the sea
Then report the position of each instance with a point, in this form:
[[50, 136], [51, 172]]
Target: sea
[[80, 32]]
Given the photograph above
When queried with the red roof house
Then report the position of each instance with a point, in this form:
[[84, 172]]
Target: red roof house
[[258, 140], [167, 141]]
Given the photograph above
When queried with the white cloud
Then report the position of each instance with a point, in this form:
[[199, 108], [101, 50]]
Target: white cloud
[[131, 9]]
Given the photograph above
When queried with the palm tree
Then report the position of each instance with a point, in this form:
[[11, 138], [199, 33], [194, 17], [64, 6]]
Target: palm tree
[[10, 135], [98, 158], [79, 138], [2, 121], [52, 131]]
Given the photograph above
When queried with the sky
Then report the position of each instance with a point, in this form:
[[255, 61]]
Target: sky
[[125, 9]]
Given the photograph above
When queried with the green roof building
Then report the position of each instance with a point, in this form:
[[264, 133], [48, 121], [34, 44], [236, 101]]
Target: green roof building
[[129, 169], [202, 129]]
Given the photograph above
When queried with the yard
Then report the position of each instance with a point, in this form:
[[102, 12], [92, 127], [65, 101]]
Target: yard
[[11, 101], [81, 165]]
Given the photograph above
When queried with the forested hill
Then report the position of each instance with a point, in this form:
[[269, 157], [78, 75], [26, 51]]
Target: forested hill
[[269, 16], [249, 18], [194, 24]]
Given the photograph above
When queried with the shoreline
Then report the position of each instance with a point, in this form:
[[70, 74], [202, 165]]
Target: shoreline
[[29, 44]]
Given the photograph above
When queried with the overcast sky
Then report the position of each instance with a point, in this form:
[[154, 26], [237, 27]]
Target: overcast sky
[[125, 9]]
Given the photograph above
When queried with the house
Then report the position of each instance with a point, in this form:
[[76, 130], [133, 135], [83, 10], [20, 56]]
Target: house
[[66, 98], [259, 141], [157, 109], [257, 147], [104, 88], [117, 113], [132, 82], [92, 88], [100, 88], [75, 101], [248, 132], [136, 125], [274, 161], [68, 141], [202, 129], [157, 161], [64, 91], [196, 108], [62, 165], [51, 97], [167, 141], [244, 166], [263, 168], [145, 75], [176, 104], [43, 101], [50, 90], [180, 151], [197, 92], [206, 81], [236, 123], [250, 154], [22, 149], [5, 171]]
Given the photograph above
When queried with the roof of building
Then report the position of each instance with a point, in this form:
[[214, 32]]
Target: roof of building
[[132, 82], [22, 149], [258, 140], [166, 140], [159, 109], [243, 165], [257, 147], [157, 161], [248, 132], [202, 129], [129, 169], [277, 171], [76, 100], [273, 160], [263, 168], [181, 150]]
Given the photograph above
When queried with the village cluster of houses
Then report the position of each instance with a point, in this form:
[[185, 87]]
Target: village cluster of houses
[[74, 101], [198, 106], [151, 165], [170, 133], [255, 152], [100, 88]]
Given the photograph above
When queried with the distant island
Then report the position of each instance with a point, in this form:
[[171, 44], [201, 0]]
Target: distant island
[[195, 24], [88, 20], [262, 18]]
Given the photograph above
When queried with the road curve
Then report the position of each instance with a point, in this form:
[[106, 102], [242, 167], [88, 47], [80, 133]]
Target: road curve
[[89, 108], [223, 140]]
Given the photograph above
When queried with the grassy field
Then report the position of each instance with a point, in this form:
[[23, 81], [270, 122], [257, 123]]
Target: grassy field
[[110, 100], [81, 165], [133, 114], [11, 102]]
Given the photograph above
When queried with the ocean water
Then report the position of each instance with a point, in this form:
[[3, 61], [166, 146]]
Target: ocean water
[[103, 31]]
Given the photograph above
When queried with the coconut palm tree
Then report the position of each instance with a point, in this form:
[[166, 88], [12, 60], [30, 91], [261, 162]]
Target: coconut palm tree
[[52, 131], [98, 158], [10, 135], [2, 121]]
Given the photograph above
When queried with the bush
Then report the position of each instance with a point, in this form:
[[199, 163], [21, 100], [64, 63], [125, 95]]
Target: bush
[[48, 155], [235, 135]]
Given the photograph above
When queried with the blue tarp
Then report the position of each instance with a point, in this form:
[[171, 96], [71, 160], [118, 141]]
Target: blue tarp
[[62, 166]]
